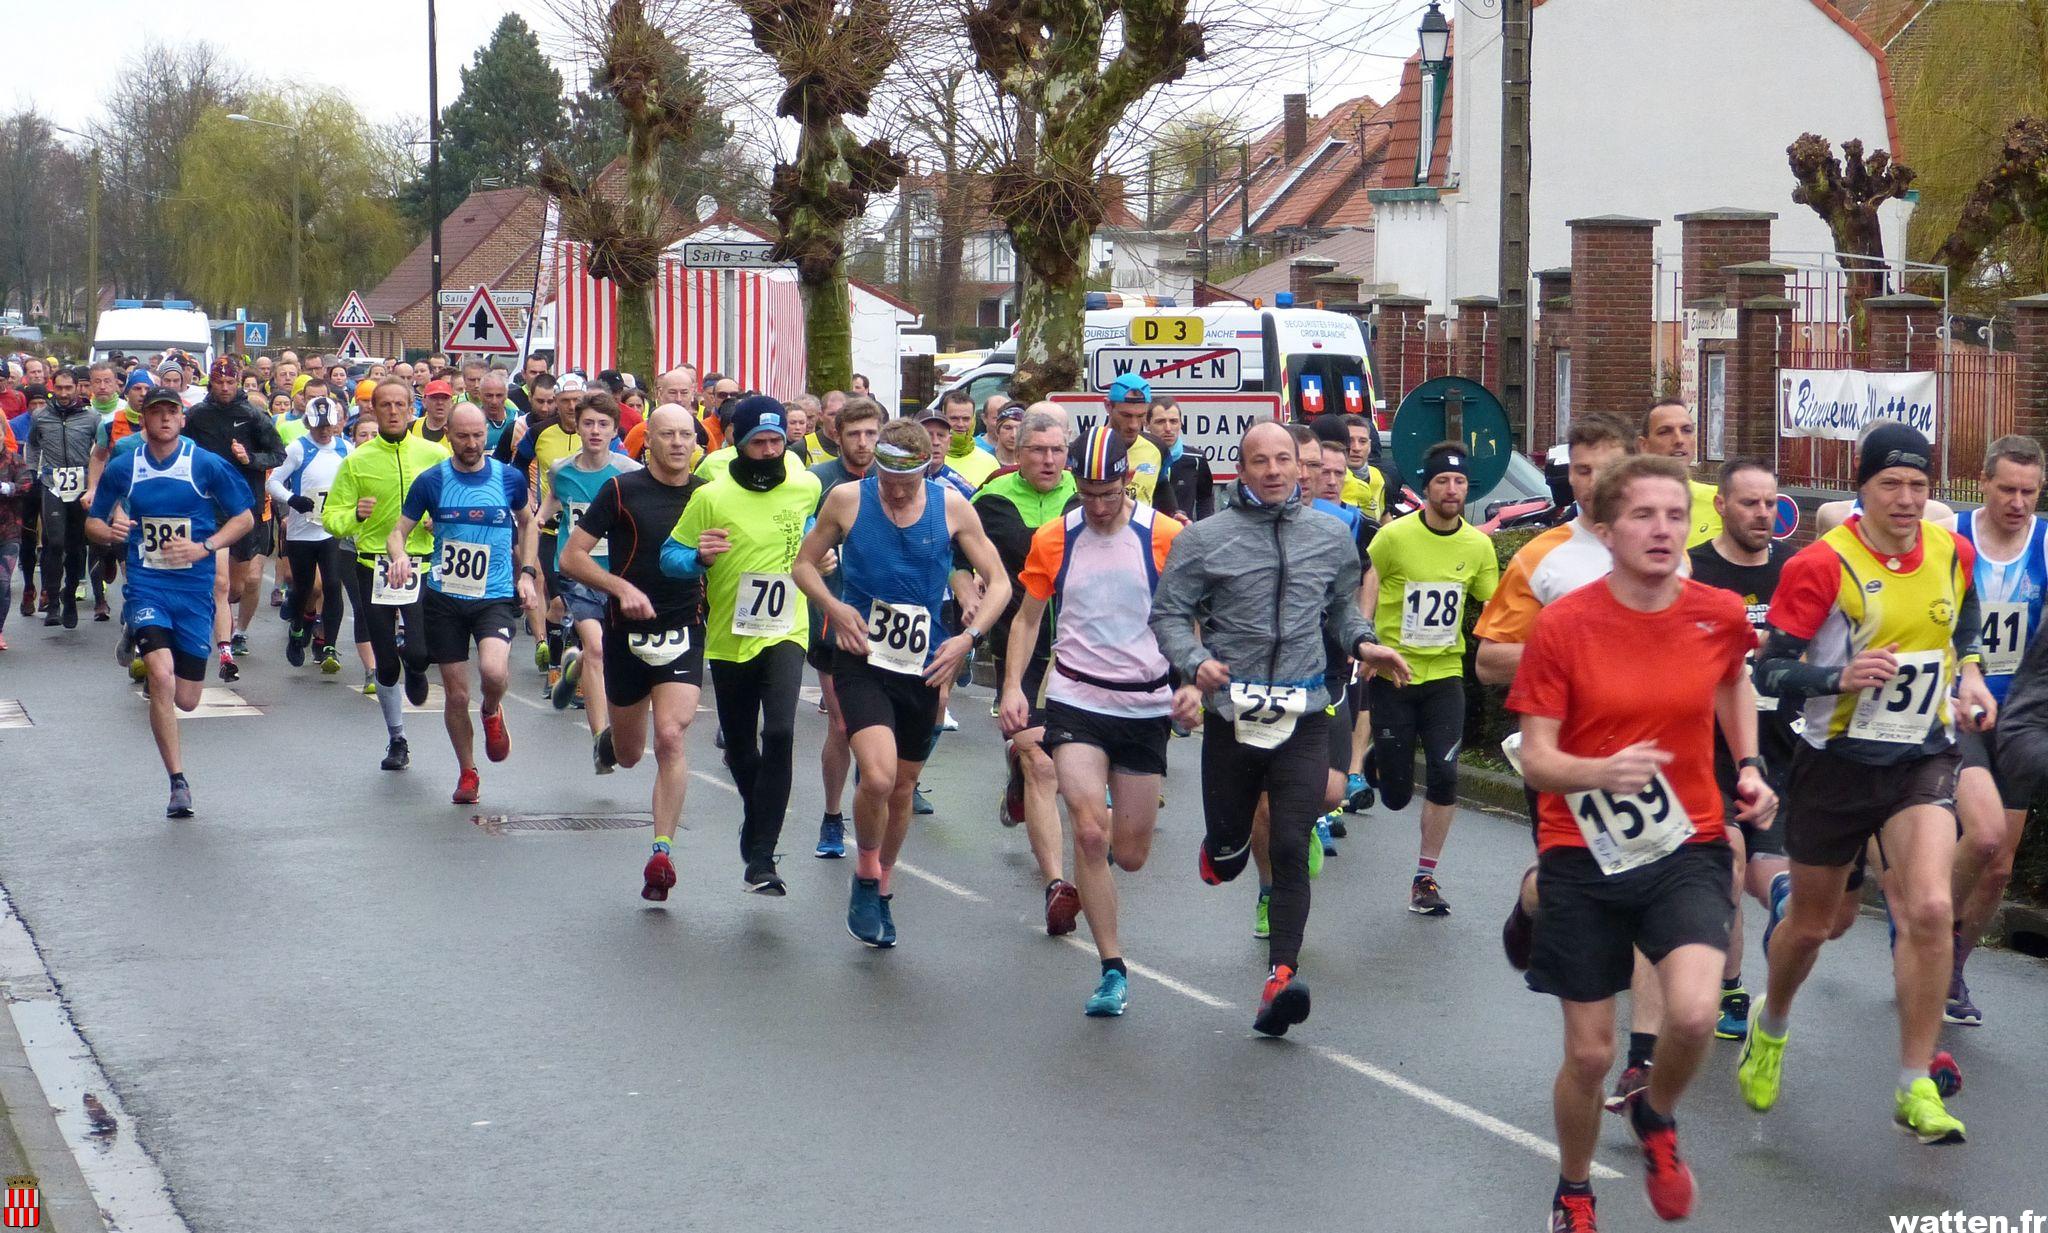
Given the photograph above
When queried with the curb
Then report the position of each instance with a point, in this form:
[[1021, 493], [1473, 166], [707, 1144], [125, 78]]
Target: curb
[[31, 1145]]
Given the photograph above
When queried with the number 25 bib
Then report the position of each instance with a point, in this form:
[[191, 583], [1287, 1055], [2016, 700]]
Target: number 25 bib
[[1266, 714]]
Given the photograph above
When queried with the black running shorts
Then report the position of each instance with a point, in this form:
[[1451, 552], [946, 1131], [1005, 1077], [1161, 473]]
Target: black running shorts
[[1589, 924]]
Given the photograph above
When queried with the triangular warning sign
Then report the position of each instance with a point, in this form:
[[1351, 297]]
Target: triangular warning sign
[[353, 316], [480, 328], [352, 348]]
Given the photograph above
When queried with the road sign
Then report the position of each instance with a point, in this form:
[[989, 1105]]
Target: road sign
[[1168, 368], [504, 299], [353, 316], [352, 348], [731, 255], [1165, 331], [480, 328], [1420, 422], [1785, 521], [1212, 425], [255, 333]]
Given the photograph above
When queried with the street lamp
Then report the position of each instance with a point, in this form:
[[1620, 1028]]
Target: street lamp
[[295, 327], [1436, 38], [92, 237], [1436, 48]]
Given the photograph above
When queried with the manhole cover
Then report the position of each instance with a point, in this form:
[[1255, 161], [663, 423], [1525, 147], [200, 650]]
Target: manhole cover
[[502, 823]]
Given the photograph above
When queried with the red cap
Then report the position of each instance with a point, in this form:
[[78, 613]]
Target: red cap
[[439, 387]]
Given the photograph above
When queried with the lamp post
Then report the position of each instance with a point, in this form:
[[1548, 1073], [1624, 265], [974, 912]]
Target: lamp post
[[92, 237], [295, 327], [1435, 36]]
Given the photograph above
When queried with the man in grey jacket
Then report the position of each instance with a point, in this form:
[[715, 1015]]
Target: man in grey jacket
[[59, 446], [1240, 613]]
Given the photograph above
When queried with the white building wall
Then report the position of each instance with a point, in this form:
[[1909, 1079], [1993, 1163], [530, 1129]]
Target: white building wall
[[1412, 248]]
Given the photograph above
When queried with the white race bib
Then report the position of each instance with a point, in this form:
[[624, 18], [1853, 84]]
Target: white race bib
[[2004, 636], [384, 595], [898, 637], [67, 484], [572, 513], [1266, 714], [1431, 613], [659, 649], [464, 568], [157, 534], [764, 606], [1901, 710], [319, 496], [1623, 832]]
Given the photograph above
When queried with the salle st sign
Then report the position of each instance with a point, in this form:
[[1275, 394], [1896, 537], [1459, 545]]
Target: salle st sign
[[1837, 404]]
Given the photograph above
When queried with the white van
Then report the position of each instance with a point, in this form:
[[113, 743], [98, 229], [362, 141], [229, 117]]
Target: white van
[[146, 327]]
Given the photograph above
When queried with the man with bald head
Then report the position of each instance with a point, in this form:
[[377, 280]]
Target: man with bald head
[[1256, 605]]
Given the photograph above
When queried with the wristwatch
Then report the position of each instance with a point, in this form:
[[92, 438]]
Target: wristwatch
[[1752, 761], [974, 635], [528, 571]]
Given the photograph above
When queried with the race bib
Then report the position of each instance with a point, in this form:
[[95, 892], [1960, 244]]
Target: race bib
[[762, 607], [1266, 714], [384, 595], [1623, 832], [1901, 710], [659, 649], [157, 534], [67, 484], [2004, 637], [464, 568], [1431, 613], [319, 496], [572, 513], [898, 637], [1764, 702]]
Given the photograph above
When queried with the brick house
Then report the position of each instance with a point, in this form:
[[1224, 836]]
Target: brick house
[[492, 239]]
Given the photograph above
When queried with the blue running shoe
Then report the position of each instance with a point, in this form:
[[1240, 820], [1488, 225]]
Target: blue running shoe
[[1781, 892], [1358, 796], [864, 913], [918, 805], [1110, 996], [831, 839], [1734, 1021], [888, 921], [1324, 835]]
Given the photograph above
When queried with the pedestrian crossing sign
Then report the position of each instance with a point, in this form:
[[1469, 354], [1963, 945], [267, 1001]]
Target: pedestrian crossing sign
[[353, 316]]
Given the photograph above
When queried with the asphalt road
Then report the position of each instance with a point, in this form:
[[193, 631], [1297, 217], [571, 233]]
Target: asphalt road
[[332, 1001]]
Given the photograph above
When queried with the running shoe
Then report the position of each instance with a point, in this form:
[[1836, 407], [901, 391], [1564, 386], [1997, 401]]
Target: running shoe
[[831, 839], [397, 756], [1781, 894], [1959, 1009], [240, 644], [547, 685], [277, 597], [1216, 872], [1062, 907], [28, 602], [948, 723], [761, 879], [602, 754], [888, 921], [1734, 1021], [918, 804], [369, 683], [1426, 898], [1283, 1003], [416, 686], [99, 611], [1572, 1213], [295, 647], [497, 741], [229, 670], [1919, 1112], [1947, 1075], [1110, 997], [1760, 1073], [1358, 795], [1315, 854], [467, 788], [1325, 835], [1666, 1177], [70, 612], [53, 616], [540, 655], [124, 650], [181, 799], [1262, 922], [1011, 812], [1627, 1085], [137, 670], [330, 661], [562, 689], [657, 877], [864, 913]]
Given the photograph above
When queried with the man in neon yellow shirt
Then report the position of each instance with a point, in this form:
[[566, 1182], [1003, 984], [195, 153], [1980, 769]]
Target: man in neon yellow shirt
[[1129, 405], [969, 460], [1668, 429]]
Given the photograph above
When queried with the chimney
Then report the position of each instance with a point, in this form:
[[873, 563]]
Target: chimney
[[1293, 127], [1112, 190]]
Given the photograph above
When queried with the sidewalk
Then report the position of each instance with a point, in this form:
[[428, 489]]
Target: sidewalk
[[32, 1146]]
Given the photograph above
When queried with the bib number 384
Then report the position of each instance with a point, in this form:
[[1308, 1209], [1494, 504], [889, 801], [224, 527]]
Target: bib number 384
[[1266, 714], [1623, 832], [1901, 710], [898, 637]]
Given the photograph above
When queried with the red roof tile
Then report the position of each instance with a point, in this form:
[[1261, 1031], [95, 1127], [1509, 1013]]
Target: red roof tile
[[1279, 196], [474, 221]]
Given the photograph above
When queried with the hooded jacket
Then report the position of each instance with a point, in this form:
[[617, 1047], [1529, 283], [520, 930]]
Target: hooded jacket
[[217, 426], [60, 437], [1254, 587]]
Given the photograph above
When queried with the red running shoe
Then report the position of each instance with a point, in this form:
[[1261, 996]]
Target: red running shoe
[[1947, 1075], [1062, 907], [1666, 1178], [1572, 1213], [497, 741], [1283, 1004], [660, 874], [467, 788]]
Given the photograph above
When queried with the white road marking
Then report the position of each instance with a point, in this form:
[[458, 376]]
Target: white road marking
[[13, 714], [1158, 977], [215, 702], [951, 888]]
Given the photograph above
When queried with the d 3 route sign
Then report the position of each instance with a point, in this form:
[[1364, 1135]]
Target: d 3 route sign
[[480, 328], [1168, 368], [353, 316]]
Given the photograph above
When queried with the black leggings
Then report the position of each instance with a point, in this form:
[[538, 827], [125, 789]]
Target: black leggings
[[64, 547], [392, 658], [1293, 778], [1433, 712], [761, 691], [307, 557]]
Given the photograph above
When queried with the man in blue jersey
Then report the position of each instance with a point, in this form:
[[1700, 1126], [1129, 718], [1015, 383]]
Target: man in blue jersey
[[478, 507], [2011, 579], [178, 506]]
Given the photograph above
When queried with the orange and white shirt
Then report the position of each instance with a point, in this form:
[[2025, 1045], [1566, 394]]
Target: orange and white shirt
[[1545, 570], [1105, 658]]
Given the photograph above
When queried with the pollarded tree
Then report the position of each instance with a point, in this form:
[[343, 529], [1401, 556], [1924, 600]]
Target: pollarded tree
[[2014, 192], [1052, 60], [1846, 193]]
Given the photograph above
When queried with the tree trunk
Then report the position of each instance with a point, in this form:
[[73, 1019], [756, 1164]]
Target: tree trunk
[[1049, 338], [828, 333], [636, 333]]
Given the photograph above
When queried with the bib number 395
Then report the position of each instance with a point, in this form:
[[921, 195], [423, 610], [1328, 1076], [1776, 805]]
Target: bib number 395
[[898, 637], [1266, 714], [659, 649], [1623, 832]]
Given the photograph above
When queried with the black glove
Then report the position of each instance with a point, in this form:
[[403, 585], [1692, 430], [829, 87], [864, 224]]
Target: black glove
[[302, 503]]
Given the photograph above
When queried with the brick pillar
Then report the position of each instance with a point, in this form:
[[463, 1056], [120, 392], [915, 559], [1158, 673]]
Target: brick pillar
[[1553, 336], [1333, 288], [1763, 316], [1712, 240], [2030, 342], [1301, 275], [1902, 332], [1477, 341], [1398, 345], [1613, 291]]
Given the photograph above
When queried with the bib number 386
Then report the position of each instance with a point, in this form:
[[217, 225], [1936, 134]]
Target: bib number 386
[[898, 636], [1623, 832]]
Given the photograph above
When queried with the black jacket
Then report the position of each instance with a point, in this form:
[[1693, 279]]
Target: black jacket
[[1194, 488], [218, 426]]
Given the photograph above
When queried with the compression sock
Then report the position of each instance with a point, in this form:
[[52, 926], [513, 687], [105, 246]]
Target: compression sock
[[661, 843], [1114, 965], [1425, 867], [1642, 1046], [555, 636], [391, 701]]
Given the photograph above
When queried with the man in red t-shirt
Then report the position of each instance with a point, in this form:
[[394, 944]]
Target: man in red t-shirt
[[1632, 853]]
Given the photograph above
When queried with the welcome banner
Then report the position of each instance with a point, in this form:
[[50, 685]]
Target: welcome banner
[[1837, 403]]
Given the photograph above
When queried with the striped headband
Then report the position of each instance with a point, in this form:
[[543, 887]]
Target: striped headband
[[896, 458]]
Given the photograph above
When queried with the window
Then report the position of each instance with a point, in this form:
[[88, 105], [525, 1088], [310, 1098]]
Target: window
[[925, 255], [1564, 393], [1714, 397], [1005, 260]]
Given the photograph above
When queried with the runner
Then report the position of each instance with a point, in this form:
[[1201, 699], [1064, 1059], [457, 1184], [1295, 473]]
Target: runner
[[299, 486], [175, 506], [58, 450], [363, 504], [895, 527], [1425, 570], [1668, 430], [859, 425], [1241, 612], [654, 627], [17, 485], [1632, 859], [437, 404], [1187, 470], [740, 534], [479, 510], [1870, 627], [974, 464], [2011, 578], [1127, 405], [1107, 700]]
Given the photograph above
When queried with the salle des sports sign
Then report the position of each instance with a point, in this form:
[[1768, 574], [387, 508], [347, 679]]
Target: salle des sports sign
[[1837, 403]]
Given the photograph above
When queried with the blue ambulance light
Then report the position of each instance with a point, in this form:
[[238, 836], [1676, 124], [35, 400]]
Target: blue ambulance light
[[1283, 299]]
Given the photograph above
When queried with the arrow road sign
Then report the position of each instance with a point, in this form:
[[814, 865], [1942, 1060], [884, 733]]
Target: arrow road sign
[[480, 328], [352, 348], [731, 255], [353, 316], [1168, 368]]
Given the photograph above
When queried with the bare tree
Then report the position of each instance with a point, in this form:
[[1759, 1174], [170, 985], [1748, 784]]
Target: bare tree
[[2014, 192], [1846, 193]]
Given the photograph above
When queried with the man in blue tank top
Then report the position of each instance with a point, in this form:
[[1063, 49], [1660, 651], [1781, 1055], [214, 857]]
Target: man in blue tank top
[[895, 533]]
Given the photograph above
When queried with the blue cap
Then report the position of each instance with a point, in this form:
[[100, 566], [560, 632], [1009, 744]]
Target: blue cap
[[1130, 388], [757, 413], [140, 376]]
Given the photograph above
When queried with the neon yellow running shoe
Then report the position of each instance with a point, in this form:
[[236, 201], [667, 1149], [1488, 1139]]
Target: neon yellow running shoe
[[1262, 925], [1920, 1113], [1315, 855], [1758, 1075]]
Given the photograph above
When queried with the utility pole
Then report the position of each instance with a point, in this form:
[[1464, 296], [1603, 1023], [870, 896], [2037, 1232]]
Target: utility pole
[[434, 168], [1514, 215], [92, 249]]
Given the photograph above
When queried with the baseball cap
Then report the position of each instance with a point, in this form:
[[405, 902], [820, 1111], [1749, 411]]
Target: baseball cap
[[1130, 388], [933, 415], [438, 387], [323, 410], [163, 396], [1099, 456], [758, 413], [365, 389]]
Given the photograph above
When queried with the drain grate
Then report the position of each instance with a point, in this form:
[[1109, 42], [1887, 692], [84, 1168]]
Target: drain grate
[[531, 823]]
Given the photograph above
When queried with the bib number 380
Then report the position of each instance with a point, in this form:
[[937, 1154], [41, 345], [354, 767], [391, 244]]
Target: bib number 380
[[898, 636], [465, 568], [1623, 832]]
